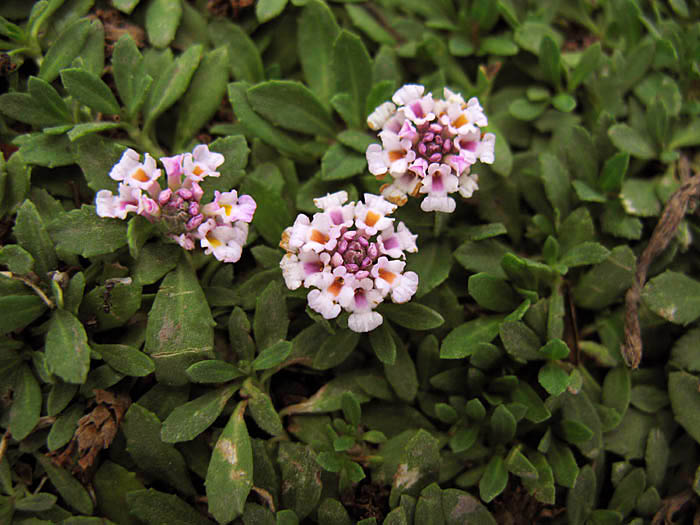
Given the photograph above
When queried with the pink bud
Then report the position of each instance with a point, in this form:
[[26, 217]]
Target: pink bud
[[435, 157], [164, 196]]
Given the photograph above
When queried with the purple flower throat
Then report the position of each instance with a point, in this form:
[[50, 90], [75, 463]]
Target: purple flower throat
[[355, 252]]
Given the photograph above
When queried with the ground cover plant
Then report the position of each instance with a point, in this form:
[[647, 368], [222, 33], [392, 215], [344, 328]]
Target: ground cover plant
[[248, 275]]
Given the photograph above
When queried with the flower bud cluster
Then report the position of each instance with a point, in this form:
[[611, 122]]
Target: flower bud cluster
[[352, 257], [428, 146], [221, 226]]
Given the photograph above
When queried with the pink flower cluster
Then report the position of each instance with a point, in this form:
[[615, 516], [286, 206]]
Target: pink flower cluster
[[352, 256], [428, 146], [221, 226]]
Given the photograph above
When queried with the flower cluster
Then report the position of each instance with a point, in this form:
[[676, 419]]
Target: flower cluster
[[428, 146], [220, 226], [351, 254]]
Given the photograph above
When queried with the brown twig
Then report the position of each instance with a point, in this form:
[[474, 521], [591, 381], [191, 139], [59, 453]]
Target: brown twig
[[663, 233]]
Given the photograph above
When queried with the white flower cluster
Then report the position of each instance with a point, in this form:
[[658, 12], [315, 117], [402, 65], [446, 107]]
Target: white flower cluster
[[221, 226], [428, 146], [352, 256]]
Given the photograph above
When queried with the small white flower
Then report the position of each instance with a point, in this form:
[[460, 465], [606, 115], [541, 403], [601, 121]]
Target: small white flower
[[371, 216], [407, 94], [230, 207], [333, 205], [343, 265], [381, 115], [468, 184], [130, 171], [202, 163], [225, 242], [444, 132]]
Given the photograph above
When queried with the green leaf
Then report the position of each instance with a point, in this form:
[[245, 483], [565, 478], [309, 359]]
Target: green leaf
[[59, 396], [586, 65], [36, 502], [502, 425], [96, 155], [243, 55], [291, 105], [67, 350], [555, 349], [564, 102], [26, 404], [317, 31], [628, 491], [614, 172], [674, 296], [412, 315], [90, 90], [213, 371], [328, 397], [638, 198], [154, 261], [563, 463], [482, 256], [179, 331], [555, 178], [553, 378], [158, 507], [271, 318], [523, 109], [517, 463], [340, 163], [402, 375], [171, 84], [203, 97], [492, 45], [125, 6], [70, 489], [129, 73], [383, 344], [64, 427], [550, 61], [161, 460], [64, 50], [418, 465], [537, 411], [19, 311], [112, 484], [520, 341], [365, 21], [301, 477], [43, 149], [272, 214], [352, 70], [584, 254], [162, 20], [581, 498], [543, 487], [30, 232], [432, 263], [462, 341], [263, 411], [336, 349], [25, 108], [187, 421], [629, 140], [82, 232], [683, 390], [266, 10], [494, 480], [492, 293], [273, 355], [126, 359], [259, 127], [656, 457], [81, 130], [606, 281]]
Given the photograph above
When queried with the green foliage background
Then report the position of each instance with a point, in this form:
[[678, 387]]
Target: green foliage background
[[499, 393]]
